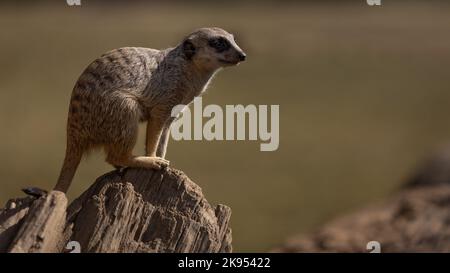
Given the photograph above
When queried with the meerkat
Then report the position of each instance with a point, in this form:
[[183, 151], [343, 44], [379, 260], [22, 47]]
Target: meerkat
[[130, 85]]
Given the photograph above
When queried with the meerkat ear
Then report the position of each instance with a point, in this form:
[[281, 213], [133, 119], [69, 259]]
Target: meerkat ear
[[188, 49]]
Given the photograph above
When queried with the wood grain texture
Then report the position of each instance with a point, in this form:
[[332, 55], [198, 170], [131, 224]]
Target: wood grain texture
[[42, 226], [134, 210]]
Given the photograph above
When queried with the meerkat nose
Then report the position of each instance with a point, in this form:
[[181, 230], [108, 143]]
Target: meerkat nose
[[242, 56]]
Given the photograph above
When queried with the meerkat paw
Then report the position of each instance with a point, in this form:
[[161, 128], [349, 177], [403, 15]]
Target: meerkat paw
[[156, 163], [148, 162], [164, 163]]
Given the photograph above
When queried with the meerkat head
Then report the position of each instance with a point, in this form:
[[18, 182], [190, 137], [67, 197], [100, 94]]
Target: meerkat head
[[212, 48]]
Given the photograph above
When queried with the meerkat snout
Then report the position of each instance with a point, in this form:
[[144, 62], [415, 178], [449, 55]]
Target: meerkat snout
[[242, 56], [213, 48]]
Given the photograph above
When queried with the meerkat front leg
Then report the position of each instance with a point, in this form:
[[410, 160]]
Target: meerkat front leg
[[164, 140], [155, 131]]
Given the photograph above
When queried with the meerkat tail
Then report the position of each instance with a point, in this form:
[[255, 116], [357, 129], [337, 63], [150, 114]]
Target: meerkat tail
[[70, 165]]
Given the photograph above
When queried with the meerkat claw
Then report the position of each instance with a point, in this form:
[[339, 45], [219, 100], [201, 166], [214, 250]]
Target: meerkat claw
[[162, 163]]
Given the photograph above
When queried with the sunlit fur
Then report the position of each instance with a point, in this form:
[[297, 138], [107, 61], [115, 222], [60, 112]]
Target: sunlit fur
[[129, 85]]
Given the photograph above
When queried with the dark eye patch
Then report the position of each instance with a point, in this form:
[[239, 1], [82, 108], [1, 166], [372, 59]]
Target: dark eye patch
[[219, 44]]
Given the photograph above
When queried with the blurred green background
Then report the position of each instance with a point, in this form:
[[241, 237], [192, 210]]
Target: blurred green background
[[363, 94]]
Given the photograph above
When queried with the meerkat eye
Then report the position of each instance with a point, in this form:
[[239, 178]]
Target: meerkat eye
[[219, 44]]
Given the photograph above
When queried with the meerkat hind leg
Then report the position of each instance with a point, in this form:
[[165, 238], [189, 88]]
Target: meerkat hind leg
[[129, 160]]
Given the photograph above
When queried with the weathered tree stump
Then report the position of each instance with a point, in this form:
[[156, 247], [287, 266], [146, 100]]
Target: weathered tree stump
[[135, 210]]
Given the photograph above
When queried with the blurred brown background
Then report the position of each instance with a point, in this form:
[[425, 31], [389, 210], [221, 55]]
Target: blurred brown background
[[363, 94]]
